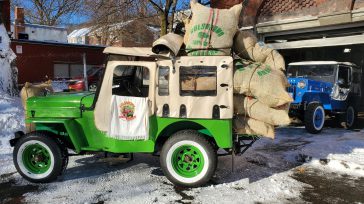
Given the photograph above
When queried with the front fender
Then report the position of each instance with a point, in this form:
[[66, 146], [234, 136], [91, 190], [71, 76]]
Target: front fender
[[317, 97], [67, 128]]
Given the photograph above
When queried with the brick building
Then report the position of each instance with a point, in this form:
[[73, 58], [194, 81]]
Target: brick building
[[37, 60], [27, 31], [133, 33], [43, 54]]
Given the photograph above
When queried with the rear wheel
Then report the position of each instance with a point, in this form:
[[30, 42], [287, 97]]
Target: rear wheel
[[314, 118], [39, 158], [188, 159], [351, 117]]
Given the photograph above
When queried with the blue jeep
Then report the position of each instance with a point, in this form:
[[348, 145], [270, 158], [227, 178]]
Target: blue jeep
[[322, 89]]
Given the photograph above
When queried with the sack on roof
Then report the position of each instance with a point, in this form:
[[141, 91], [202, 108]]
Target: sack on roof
[[262, 82], [244, 105], [247, 47], [211, 28], [170, 43]]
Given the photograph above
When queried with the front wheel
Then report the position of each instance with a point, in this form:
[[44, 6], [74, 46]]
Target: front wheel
[[39, 158], [314, 118], [351, 117], [188, 159]]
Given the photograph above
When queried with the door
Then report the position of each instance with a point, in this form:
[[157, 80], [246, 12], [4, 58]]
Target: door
[[126, 100]]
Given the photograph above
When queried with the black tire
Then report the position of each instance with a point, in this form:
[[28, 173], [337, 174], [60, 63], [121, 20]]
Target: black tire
[[351, 117], [314, 113], [205, 152], [34, 149]]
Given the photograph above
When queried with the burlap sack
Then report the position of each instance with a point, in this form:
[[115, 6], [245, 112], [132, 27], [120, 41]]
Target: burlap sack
[[262, 82], [30, 90], [211, 28], [249, 126], [198, 84], [170, 43], [251, 107], [247, 47]]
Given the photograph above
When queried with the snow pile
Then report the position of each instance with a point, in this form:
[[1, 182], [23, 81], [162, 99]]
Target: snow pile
[[8, 72], [341, 151], [11, 120]]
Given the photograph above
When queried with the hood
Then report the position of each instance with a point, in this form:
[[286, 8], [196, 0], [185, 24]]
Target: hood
[[301, 86], [59, 105]]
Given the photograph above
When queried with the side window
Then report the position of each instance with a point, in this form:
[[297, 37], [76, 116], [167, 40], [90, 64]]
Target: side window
[[198, 81], [163, 81], [344, 75], [131, 81]]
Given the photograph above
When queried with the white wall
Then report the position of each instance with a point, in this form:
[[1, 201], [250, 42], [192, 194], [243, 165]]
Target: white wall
[[45, 33]]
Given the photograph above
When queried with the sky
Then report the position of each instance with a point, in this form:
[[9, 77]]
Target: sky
[[82, 18]]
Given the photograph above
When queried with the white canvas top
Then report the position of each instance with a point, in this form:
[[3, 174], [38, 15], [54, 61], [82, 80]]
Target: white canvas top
[[134, 51], [322, 62]]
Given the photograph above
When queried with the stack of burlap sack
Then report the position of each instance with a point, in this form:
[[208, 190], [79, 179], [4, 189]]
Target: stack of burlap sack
[[30, 90], [261, 101]]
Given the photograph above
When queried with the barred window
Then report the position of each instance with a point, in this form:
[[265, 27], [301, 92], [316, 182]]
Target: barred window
[[198, 81]]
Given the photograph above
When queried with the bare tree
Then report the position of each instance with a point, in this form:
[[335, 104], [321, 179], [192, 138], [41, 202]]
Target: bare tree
[[114, 20], [49, 12], [164, 9]]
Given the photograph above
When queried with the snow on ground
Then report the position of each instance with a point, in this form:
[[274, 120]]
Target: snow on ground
[[11, 120], [293, 168]]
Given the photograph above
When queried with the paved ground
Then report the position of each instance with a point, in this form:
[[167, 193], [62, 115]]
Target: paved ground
[[296, 167]]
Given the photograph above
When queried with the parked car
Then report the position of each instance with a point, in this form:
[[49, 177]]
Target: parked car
[[322, 89], [93, 76]]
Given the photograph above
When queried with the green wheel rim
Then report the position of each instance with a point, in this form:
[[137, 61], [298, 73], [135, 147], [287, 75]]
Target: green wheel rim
[[187, 161], [36, 159]]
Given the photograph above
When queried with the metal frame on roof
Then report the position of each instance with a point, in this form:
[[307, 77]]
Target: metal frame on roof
[[323, 63], [323, 42]]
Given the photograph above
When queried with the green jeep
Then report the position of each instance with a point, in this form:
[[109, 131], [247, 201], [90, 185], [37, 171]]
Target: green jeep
[[178, 108]]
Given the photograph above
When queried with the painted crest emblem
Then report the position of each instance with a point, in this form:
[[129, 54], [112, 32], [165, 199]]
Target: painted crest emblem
[[127, 110]]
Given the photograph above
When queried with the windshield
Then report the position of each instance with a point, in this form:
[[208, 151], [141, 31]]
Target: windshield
[[315, 72]]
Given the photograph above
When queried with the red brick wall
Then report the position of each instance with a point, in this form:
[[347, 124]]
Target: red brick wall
[[250, 13], [287, 9], [37, 60], [268, 10]]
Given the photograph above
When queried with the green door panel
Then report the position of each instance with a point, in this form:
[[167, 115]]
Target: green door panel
[[84, 135], [220, 130]]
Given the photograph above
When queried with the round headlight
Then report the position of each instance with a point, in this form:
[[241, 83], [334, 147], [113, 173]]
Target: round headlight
[[301, 84]]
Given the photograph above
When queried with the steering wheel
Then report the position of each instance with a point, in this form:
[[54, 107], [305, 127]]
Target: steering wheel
[[132, 90]]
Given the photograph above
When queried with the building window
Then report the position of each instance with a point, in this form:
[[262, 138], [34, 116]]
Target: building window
[[67, 71], [198, 81], [163, 81]]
